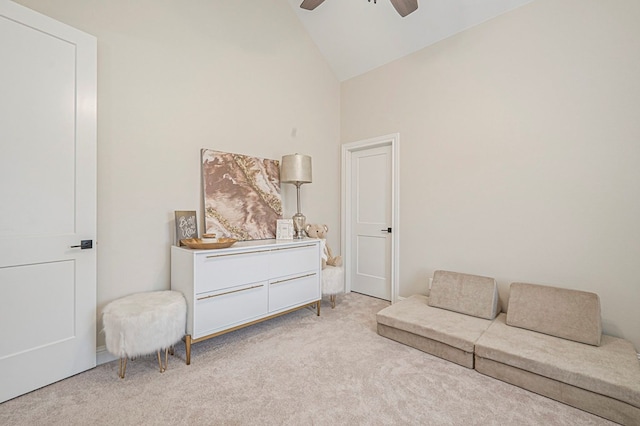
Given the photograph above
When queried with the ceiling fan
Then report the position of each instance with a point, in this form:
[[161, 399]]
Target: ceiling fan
[[403, 7]]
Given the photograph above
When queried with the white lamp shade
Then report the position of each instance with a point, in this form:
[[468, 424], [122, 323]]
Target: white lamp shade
[[295, 168]]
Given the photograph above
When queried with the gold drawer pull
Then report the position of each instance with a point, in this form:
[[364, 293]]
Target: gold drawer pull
[[260, 251], [238, 254], [294, 278], [230, 292], [295, 247]]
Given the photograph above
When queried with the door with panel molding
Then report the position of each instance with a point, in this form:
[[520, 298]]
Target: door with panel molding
[[371, 189], [48, 200]]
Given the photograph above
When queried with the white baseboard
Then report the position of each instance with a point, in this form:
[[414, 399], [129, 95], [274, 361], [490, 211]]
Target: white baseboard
[[103, 356]]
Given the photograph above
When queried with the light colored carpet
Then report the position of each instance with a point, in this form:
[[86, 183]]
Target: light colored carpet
[[294, 370]]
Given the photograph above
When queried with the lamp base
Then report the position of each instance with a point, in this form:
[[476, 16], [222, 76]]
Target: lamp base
[[299, 222]]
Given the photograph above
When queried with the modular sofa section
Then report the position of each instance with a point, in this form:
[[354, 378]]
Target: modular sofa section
[[465, 293], [548, 343], [603, 380], [561, 312], [445, 334]]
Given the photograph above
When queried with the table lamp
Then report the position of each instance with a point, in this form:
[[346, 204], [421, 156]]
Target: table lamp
[[296, 169]]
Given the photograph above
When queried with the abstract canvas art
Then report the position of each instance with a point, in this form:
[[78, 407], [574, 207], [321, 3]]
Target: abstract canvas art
[[241, 195]]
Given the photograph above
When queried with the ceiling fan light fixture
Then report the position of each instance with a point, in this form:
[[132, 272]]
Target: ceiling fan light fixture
[[310, 4], [403, 7]]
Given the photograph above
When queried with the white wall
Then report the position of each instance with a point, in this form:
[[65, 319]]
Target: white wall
[[519, 152], [519, 137], [178, 76]]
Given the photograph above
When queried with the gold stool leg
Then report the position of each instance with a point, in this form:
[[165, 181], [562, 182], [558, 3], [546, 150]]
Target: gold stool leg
[[122, 367], [163, 367], [166, 359], [160, 361]]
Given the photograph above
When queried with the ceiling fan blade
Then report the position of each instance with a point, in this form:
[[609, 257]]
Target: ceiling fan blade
[[405, 7], [310, 4]]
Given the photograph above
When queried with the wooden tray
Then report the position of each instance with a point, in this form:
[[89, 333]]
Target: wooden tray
[[196, 243]]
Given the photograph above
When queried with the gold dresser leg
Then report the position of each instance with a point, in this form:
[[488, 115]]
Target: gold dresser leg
[[318, 305], [187, 345], [333, 301]]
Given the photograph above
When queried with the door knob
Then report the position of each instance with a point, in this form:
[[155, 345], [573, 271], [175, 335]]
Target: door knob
[[386, 230], [84, 244]]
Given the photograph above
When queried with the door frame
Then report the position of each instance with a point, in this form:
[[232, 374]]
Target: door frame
[[348, 149]]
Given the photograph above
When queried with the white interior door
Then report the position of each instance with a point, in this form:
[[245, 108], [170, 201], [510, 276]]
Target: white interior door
[[371, 227], [48, 200]]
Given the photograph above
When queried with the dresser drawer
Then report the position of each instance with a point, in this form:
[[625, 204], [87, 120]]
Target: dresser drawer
[[226, 270], [294, 290], [225, 309], [293, 260]]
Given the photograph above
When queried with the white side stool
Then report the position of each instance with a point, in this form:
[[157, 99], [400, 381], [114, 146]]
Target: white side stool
[[144, 323], [332, 282]]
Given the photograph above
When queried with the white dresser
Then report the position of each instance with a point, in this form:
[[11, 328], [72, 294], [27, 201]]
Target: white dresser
[[252, 281]]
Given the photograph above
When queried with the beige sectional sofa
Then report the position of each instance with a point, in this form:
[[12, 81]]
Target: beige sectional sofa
[[549, 341], [446, 324]]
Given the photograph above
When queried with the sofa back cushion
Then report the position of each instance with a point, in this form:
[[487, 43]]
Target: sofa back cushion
[[468, 294], [560, 312]]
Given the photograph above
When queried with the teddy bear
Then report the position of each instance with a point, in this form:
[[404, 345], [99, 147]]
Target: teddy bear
[[320, 231]]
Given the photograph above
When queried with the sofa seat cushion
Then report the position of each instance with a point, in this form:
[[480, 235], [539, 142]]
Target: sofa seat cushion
[[414, 315], [611, 369], [468, 294], [560, 312]]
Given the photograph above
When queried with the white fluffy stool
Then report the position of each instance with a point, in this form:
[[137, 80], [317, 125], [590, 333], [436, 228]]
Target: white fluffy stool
[[144, 323], [332, 282]]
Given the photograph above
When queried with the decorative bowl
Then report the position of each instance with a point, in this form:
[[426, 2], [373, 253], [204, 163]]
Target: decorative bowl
[[197, 243]]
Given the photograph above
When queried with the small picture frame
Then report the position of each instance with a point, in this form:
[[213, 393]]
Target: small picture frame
[[186, 225], [284, 229]]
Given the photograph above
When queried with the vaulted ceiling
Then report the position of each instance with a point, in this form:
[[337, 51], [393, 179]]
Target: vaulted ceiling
[[356, 36]]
